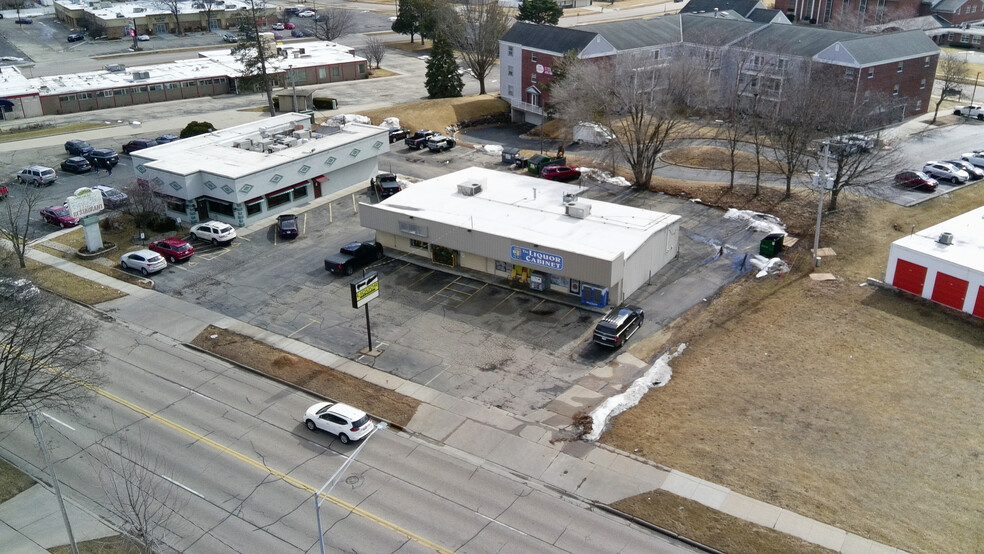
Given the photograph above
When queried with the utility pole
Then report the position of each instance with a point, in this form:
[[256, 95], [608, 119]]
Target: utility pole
[[133, 33], [977, 78], [36, 421]]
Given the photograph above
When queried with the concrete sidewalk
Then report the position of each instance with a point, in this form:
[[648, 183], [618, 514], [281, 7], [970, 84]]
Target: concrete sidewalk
[[524, 446]]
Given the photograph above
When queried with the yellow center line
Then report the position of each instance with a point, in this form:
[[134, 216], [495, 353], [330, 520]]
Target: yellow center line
[[261, 466]]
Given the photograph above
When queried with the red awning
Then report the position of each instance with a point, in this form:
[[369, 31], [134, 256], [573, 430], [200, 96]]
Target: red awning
[[320, 179]]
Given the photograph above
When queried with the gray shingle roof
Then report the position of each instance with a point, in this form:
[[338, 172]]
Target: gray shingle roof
[[795, 40], [763, 16], [638, 33], [870, 49], [742, 7], [547, 37], [715, 31], [948, 6]]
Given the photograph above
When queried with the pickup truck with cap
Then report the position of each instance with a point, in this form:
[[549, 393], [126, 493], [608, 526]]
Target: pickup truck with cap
[[353, 256], [418, 140]]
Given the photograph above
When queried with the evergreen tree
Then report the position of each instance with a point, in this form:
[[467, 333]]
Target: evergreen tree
[[544, 12], [443, 80], [408, 17]]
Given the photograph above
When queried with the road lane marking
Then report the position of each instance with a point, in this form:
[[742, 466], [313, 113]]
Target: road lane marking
[[192, 491], [263, 467], [502, 524], [57, 421]]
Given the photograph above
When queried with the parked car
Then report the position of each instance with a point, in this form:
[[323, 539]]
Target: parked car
[[76, 164], [4, 191], [384, 185], [352, 256], [970, 111], [143, 38], [618, 325], [114, 67], [138, 144], [440, 143], [560, 173], [164, 139], [297, 33], [18, 289], [213, 231], [417, 140], [229, 38], [78, 147], [915, 180], [971, 169], [289, 26], [398, 134], [23, 21], [851, 144], [945, 172], [75, 37], [287, 226], [306, 13], [173, 249], [344, 421], [277, 26], [147, 261], [277, 36], [59, 215], [976, 157], [99, 157], [112, 198], [37, 175]]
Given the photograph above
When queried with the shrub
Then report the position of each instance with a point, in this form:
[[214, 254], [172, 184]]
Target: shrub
[[196, 128]]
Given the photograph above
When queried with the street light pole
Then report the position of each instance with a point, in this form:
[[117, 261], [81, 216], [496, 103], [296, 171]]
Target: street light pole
[[332, 481], [36, 422], [823, 182]]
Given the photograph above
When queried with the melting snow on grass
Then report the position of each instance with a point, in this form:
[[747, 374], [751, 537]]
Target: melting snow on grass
[[656, 376], [766, 223], [601, 176], [493, 149]]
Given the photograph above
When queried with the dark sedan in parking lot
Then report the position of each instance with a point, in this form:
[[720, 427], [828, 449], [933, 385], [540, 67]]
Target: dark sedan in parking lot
[[287, 226], [75, 37], [76, 164]]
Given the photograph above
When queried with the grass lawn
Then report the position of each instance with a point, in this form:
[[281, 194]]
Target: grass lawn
[[439, 113]]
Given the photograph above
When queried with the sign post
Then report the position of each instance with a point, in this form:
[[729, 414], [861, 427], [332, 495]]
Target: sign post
[[363, 291], [84, 204]]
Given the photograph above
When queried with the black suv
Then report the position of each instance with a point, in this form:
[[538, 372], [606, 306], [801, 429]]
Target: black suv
[[398, 134], [102, 157], [618, 325], [78, 147]]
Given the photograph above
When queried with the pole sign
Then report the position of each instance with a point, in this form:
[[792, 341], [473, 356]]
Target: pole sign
[[364, 290], [85, 202]]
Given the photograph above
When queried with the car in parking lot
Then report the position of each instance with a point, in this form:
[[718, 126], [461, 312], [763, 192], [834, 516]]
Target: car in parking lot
[[173, 249], [143, 38], [78, 147], [277, 26], [352, 256], [971, 169], [306, 13], [75, 37], [287, 226], [288, 26], [915, 180], [102, 157], [164, 139], [943, 171], [59, 215], [23, 21], [418, 140], [300, 33], [76, 164], [213, 231], [851, 144], [147, 261], [138, 144], [37, 175], [440, 143], [560, 173], [346, 422], [398, 134], [228, 37], [112, 198], [618, 325], [384, 185], [976, 157], [970, 111]]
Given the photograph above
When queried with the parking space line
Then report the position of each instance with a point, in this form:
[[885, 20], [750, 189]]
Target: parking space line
[[310, 323], [511, 293]]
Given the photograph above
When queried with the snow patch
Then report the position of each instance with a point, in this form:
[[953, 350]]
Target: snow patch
[[492, 149], [766, 223], [391, 123], [768, 266], [602, 176], [656, 376], [346, 118]]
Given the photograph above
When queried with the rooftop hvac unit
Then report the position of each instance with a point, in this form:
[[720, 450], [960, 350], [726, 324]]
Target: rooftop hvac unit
[[140, 75], [265, 143], [302, 134], [578, 210], [276, 148], [258, 147], [245, 144], [469, 189], [139, 9], [946, 239]]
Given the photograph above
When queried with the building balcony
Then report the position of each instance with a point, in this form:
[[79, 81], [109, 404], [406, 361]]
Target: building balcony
[[527, 107]]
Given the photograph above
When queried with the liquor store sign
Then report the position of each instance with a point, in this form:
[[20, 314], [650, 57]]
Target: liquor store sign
[[364, 290], [535, 257]]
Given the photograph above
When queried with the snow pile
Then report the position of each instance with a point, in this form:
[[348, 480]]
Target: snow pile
[[602, 176], [758, 221], [768, 266], [491, 149], [403, 182], [391, 123], [656, 376], [592, 133], [346, 118]]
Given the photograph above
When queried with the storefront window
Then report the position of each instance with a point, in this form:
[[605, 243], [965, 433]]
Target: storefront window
[[419, 244], [444, 256], [175, 204], [274, 200], [219, 207], [254, 207], [300, 192]]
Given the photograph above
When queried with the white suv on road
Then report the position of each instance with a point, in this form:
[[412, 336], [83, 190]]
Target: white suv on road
[[213, 231], [970, 111], [945, 172], [37, 175]]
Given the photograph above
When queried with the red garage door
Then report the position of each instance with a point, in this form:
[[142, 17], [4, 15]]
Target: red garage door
[[979, 305], [909, 276], [950, 290]]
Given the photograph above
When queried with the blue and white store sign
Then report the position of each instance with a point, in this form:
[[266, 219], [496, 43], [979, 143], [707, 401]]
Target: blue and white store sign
[[535, 257]]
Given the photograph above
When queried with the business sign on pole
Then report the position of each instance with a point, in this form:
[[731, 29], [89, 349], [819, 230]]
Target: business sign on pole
[[85, 202], [364, 289]]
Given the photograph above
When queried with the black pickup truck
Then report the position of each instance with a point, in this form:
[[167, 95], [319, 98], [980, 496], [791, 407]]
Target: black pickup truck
[[418, 140], [352, 256], [384, 185]]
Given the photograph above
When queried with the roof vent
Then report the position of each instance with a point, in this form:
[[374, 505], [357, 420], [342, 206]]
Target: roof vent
[[469, 189], [578, 210], [946, 239]]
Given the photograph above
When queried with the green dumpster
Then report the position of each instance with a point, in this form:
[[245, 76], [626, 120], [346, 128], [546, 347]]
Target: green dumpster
[[771, 245]]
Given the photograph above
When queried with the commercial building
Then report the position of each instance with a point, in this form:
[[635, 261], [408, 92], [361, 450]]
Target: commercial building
[[250, 171], [530, 230], [944, 263], [152, 17]]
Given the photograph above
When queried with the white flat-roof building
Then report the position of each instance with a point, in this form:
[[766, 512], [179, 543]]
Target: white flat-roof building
[[260, 168], [527, 229], [151, 17], [944, 263]]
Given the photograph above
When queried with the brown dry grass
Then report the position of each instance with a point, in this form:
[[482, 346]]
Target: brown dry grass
[[715, 157], [122, 236], [847, 404], [439, 113], [380, 72], [322, 380], [710, 527], [69, 285], [12, 481]]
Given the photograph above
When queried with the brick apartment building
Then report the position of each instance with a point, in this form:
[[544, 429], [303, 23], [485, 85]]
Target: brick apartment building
[[764, 55], [861, 13]]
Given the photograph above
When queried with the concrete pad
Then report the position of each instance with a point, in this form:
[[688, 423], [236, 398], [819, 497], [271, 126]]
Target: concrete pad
[[434, 422], [15, 543], [556, 421], [475, 439], [485, 415], [681, 484], [823, 277], [566, 472], [749, 509], [533, 433], [710, 494], [34, 514], [854, 544], [607, 486], [879, 548], [591, 382], [383, 379], [794, 524], [574, 400], [601, 457], [604, 372], [648, 476], [354, 369], [827, 536], [523, 456], [630, 360], [578, 449]]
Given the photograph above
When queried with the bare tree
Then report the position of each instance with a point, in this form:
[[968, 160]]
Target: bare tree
[[474, 31], [333, 23], [950, 70], [44, 361], [18, 208], [208, 8], [374, 50], [254, 52], [138, 494], [173, 6]]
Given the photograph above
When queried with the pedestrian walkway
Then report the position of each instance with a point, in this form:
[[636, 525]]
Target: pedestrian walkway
[[591, 472]]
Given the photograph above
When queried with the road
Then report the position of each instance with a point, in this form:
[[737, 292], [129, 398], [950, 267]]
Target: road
[[245, 468]]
